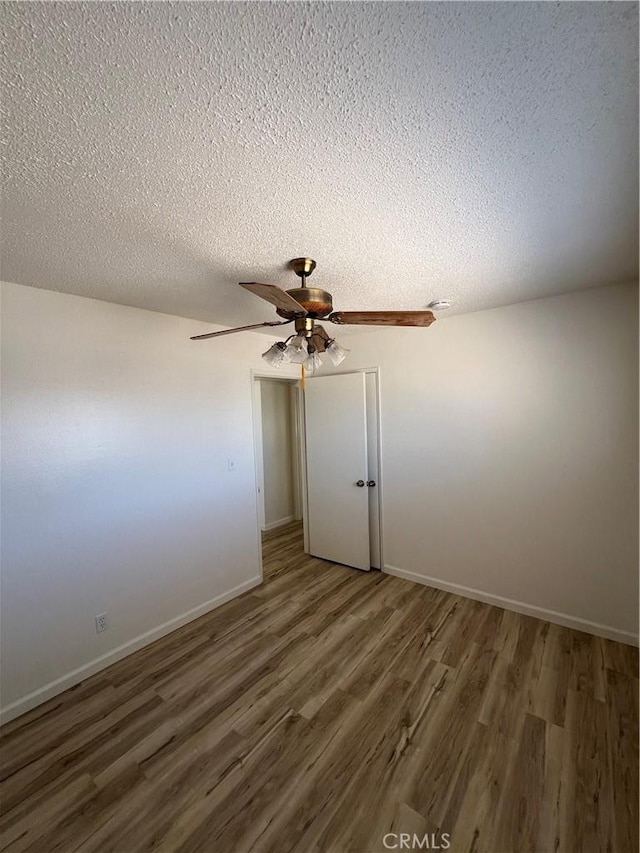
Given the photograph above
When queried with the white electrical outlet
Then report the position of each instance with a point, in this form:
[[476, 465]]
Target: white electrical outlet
[[101, 623]]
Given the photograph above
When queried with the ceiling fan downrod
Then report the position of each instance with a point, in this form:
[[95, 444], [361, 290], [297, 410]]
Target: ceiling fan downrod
[[303, 267]]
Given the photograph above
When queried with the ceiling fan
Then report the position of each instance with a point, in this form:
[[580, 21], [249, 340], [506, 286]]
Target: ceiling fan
[[304, 306]]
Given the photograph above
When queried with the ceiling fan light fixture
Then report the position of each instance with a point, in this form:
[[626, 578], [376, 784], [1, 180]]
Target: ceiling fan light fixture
[[293, 351], [300, 350], [298, 341], [336, 352], [275, 355], [312, 362]]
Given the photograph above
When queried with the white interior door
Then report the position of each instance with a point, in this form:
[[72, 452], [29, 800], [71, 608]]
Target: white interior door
[[336, 439]]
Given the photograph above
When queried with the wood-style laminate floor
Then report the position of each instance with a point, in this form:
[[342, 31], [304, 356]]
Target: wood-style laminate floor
[[326, 709]]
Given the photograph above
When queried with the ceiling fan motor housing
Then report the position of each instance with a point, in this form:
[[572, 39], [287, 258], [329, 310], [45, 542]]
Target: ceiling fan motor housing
[[317, 303]]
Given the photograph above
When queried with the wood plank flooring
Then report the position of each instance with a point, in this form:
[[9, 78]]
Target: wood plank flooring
[[326, 709]]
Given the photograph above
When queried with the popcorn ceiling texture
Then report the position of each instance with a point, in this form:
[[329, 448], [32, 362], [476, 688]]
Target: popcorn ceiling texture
[[156, 154]]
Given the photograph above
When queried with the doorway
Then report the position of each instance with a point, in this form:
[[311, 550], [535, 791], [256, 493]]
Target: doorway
[[281, 430], [277, 448]]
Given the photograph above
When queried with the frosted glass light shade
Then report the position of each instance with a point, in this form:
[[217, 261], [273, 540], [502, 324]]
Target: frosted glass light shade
[[312, 363], [336, 353], [296, 351], [274, 356], [287, 352]]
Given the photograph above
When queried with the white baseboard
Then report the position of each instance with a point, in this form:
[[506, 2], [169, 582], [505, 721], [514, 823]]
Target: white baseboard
[[279, 523], [53, 688], [520, 607]]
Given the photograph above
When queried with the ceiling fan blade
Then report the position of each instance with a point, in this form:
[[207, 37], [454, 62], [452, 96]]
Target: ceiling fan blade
[[238, 329], [275, 295], [382, 318]]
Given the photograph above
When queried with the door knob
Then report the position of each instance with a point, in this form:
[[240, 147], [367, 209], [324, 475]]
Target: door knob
[[371, 483], [360, 484]]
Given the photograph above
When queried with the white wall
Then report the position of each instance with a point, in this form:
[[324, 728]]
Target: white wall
[[277, 452], [116, 491], [509, 464], [510, 454]]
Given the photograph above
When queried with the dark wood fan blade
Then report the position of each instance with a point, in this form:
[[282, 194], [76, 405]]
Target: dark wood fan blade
[[275, 295], [382, 318], [238, 329]]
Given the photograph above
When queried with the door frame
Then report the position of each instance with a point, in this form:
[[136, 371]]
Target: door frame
[[292, 379], [380, 481]]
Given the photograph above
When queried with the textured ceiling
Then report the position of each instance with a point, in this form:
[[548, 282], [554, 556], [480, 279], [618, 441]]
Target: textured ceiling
[[157, 154]]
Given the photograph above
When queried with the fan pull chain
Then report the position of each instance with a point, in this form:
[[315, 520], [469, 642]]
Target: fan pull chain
[[303, 381]]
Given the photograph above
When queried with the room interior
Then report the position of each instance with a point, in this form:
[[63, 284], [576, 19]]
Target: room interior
[[187, 662]]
